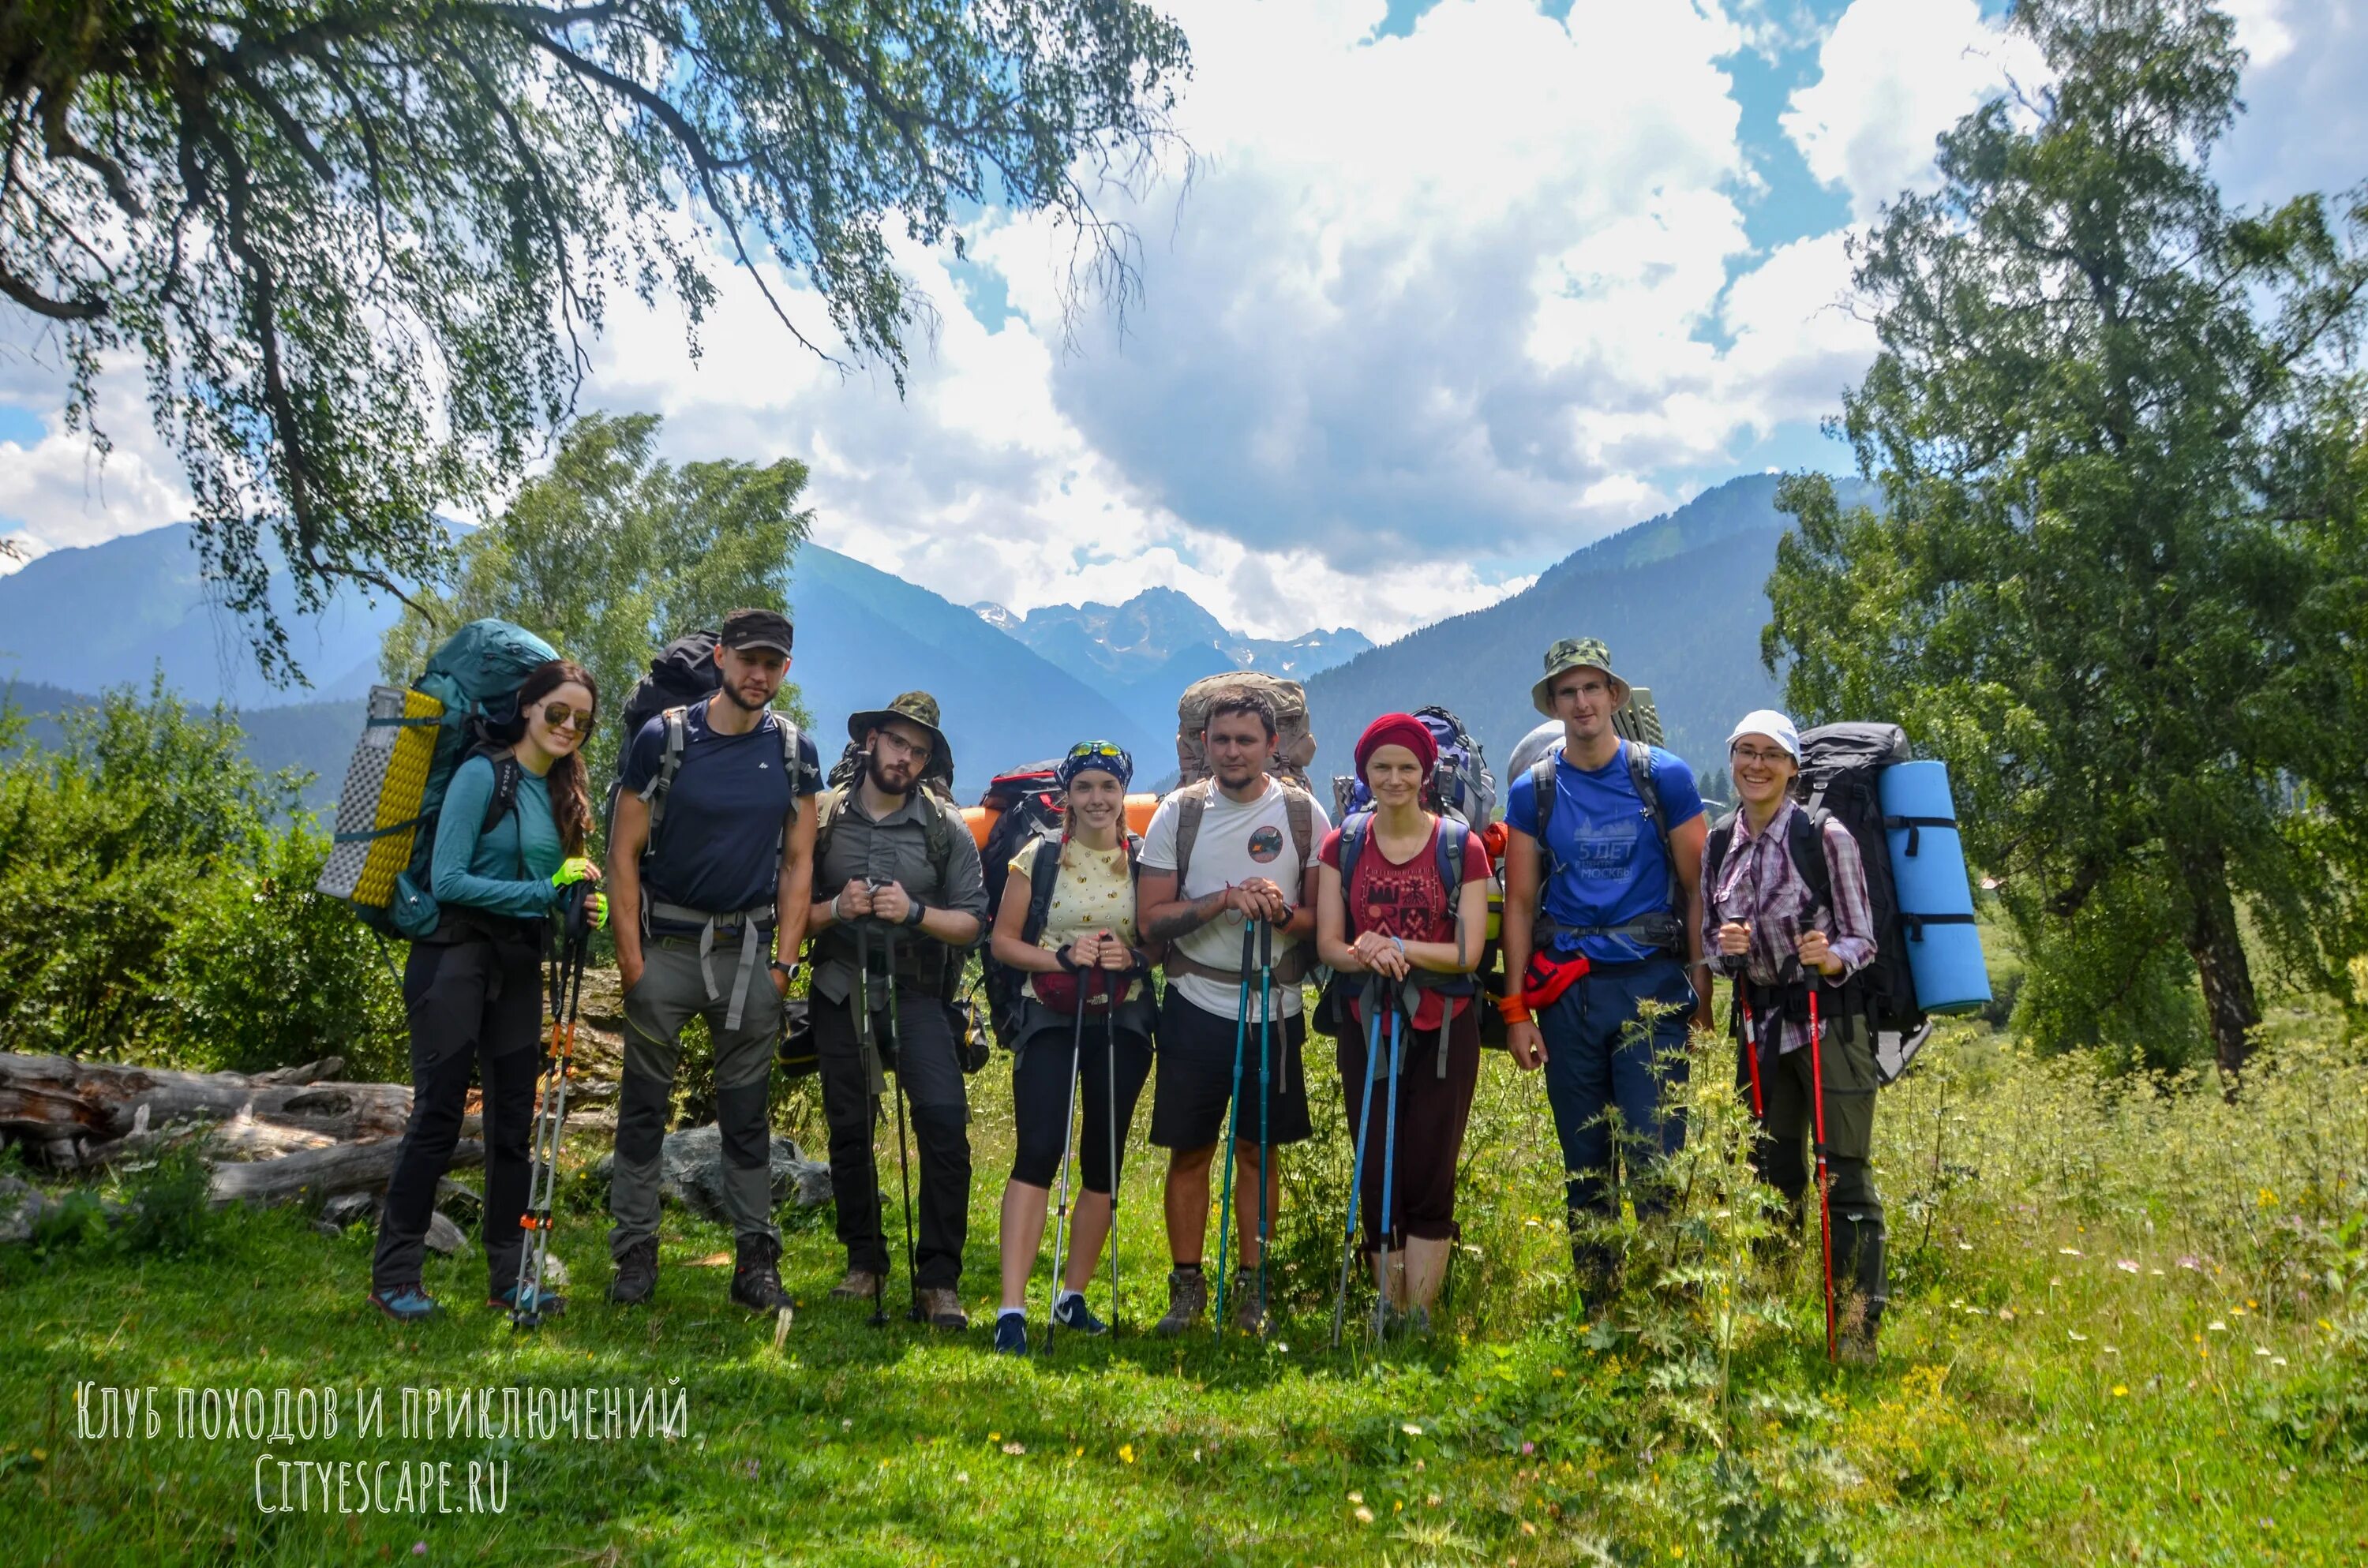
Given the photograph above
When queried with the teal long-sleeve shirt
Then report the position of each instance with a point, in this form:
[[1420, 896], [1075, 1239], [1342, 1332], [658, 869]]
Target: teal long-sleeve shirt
[[482, 871]]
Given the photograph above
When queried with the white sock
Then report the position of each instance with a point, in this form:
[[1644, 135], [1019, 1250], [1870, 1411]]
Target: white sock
[[1010, 1312], [1065, 1297]]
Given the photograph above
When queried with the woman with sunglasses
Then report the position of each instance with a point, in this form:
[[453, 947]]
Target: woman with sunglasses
[[1075, 942], [510, 849]]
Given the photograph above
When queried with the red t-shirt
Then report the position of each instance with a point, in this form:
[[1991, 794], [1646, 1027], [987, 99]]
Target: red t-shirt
[[1407, 901]]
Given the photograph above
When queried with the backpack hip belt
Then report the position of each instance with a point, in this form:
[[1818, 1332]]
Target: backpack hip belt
[[1664, 930], [1294, 966], [752, 924]]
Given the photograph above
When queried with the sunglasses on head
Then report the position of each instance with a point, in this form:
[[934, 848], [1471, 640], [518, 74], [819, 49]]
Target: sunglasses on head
[[560, 716], [1088, 751]]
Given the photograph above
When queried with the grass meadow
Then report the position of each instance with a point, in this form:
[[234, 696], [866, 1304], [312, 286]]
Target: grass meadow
[[2129, 1325]]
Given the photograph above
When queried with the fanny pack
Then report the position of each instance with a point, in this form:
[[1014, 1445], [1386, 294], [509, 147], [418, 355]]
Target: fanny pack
[[1548, 976], [1066, 990]]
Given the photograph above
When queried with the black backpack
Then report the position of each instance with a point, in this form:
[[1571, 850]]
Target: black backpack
[[1027, 801], [1839, 766]]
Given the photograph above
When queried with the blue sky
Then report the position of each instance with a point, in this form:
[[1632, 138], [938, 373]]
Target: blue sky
[[1455, 287]]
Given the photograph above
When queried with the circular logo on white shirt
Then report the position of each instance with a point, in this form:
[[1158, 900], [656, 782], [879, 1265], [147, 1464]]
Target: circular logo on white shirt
[[1266, 844]]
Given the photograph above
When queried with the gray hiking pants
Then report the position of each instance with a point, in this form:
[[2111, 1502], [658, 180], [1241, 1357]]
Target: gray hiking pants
[[670, 993]]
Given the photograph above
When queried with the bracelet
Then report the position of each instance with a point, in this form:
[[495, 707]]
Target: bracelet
[[1399, 943], [1514, 1010], [914, 911]]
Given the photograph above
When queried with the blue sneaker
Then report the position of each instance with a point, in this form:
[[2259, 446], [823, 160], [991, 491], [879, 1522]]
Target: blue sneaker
[[1011, 1334], [542, 1303], [1074, 1316], [406, 1303]]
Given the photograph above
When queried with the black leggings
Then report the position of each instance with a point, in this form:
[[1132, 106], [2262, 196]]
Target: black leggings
[[1040, 1096], [473, 1005]]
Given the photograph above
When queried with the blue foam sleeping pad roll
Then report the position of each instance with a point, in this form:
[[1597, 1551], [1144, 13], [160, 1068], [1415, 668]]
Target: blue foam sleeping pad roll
[[1928, 866]]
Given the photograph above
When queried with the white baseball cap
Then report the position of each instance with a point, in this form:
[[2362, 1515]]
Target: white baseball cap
[[1774, 725]]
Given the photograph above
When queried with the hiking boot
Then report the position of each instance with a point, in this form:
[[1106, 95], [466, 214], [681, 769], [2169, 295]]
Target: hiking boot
[[1854, 1339], [858, 1285], [406, 1303], [941, 1308], [1073, 1317], [1595, 1267], [539, 1304], [1414, 1324], [1383, 1321], [1250, 1315], [1011, 1334], [757, 1275], [637, 1274], [1188, 1298]]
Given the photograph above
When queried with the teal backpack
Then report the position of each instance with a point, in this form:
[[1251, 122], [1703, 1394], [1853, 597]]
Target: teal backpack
[[472, 683]]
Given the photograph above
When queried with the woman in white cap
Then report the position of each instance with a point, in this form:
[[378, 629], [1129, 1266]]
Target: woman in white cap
[[1785, 914]]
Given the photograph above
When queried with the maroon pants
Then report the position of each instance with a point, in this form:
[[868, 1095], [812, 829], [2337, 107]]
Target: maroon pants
[[1433, 1112]]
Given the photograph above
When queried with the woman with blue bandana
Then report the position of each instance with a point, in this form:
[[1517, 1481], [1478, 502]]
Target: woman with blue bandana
[[1067, 921]]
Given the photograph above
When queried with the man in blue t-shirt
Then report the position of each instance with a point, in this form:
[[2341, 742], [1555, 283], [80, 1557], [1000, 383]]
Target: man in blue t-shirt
[[709, 851], [1613, 878]]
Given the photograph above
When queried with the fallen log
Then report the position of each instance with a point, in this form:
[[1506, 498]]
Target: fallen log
[[65, 1106], [321, 1172]]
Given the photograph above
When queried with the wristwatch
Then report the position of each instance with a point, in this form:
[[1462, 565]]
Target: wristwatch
[[914, 911], [788, 971]]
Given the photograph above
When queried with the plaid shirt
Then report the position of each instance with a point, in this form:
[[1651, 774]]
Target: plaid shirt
[[1758, 887]]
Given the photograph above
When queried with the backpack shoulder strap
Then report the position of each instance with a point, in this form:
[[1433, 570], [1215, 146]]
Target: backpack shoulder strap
[[1541, 794], [1191, 805], [1454, 848], [1043, 879], [1805, 843], [1640, 775], [939, 837], [1355, 828], [677, 739], [789, 754], [1722, 838], [1299, 809]]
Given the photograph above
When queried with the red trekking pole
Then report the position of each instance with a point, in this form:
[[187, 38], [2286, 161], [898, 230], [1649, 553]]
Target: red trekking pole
[[1824, 1185], [1751, 1053]]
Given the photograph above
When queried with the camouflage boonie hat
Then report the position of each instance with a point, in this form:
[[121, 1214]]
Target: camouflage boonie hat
[[914, 708], [1574, 654]]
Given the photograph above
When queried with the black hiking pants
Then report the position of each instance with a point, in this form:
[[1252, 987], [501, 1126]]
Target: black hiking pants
[[1785, 1159], [937, 1103]]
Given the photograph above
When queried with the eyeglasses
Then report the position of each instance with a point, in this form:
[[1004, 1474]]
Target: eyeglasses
[[560, 716], [1765, 758], [897, 746]]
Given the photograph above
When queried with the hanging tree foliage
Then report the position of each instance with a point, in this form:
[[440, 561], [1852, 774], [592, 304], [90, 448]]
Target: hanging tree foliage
[[360, 244], [2120, 582]]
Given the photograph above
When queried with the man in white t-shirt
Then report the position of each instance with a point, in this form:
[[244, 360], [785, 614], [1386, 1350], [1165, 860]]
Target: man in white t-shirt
[[1237, 848]]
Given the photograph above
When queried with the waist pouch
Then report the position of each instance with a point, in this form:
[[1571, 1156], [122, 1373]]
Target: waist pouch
[[1066, 992], [1548, 976]]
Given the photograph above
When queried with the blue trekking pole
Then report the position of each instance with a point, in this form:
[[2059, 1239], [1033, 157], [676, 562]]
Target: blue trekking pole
[[1372, 1009], [1266, 1103], [1234, 1123], [1390, 1151]]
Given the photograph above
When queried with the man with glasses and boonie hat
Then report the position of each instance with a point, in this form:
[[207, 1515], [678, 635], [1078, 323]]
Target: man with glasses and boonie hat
[[710, 864], [1602, 916], [898, 883]]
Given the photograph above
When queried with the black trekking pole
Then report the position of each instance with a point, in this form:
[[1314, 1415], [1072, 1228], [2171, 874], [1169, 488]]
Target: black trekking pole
[[904, 1158], [875, 1087], [1266, 1102], [1233, 1121], [1110, 991], [1824, 1177], [573, 948], [1069, 1142], [1372, 1009]]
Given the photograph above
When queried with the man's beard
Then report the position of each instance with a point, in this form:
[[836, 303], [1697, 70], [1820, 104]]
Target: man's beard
[[732, 695], [877, 771]]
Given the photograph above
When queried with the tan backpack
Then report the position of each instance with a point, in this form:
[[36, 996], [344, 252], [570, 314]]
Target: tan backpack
[[1295, 747]]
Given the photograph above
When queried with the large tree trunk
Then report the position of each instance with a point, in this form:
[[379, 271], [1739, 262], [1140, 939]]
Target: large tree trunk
[[73, 1110], [2217, 946]]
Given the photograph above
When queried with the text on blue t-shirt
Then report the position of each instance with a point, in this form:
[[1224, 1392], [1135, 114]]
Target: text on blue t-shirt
[[1608, 864]]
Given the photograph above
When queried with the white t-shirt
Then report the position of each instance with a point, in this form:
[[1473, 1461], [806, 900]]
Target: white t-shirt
[[1237, 841]]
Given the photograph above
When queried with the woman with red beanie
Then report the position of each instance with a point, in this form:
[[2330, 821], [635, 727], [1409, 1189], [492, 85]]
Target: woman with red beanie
[[1404, 898]]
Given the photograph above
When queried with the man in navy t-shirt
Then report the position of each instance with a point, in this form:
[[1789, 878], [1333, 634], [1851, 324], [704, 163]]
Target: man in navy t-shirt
[[711, 872], [1615, 880]]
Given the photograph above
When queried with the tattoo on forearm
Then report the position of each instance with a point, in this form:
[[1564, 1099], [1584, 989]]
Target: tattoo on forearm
[[1182, 921]]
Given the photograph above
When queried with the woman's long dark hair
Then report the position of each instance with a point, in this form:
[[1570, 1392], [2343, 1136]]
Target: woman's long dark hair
[[570, 797]]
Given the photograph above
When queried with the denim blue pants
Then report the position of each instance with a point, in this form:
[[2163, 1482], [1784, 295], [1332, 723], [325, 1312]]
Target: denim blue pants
[[1598, 1056]]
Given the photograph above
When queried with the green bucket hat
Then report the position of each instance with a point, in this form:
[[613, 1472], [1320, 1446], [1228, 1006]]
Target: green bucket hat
[[914, 708], [1574, 654]]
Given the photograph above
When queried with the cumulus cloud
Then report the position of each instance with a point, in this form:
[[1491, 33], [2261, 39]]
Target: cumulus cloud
[[56, 490]]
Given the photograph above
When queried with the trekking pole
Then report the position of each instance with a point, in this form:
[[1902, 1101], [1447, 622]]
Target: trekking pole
[[904, 1159], [1233, 1123], [1751, 1052], [1825, 1178], [1266, 1102], [551, 1114], [1069, 1142], [1109, 1043], [1390, 1144], [1357, 1166], [875, 1085]]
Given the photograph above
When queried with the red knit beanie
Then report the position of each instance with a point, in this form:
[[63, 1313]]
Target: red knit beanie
[[1397, 730]]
